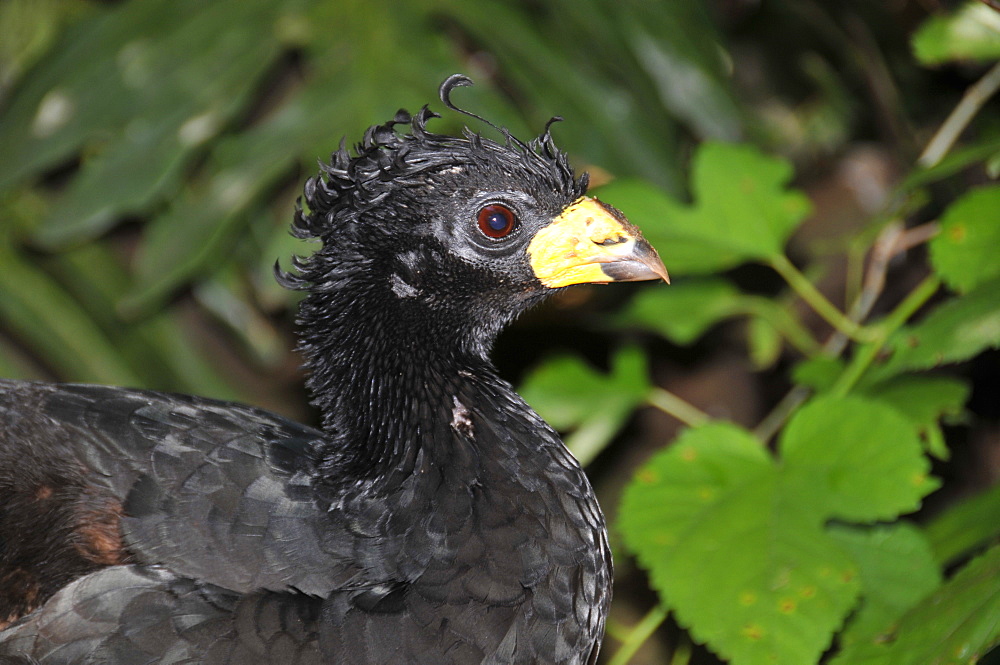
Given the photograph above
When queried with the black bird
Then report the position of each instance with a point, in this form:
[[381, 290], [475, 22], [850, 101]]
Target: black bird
[[433, 519]]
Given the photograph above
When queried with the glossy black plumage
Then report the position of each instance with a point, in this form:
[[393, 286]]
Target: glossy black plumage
[[434, 519]]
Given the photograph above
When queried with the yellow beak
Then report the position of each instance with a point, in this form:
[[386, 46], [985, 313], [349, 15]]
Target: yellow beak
[[591, 243]]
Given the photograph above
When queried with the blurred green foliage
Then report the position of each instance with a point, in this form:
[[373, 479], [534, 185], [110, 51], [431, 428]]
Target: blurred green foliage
[[151, 151]]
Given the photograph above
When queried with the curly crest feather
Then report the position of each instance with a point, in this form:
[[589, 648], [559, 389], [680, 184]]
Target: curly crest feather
[[354, 183]]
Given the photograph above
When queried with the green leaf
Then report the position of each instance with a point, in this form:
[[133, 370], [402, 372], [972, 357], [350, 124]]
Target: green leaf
[[924, 400], [965, 526], [745, 565], [27, 30], [764, 343], [570, 395], [958, 159], [734, 541], [158, 348], [861, 457], [615, 120], [971, 33], [197, 232], [896, 569], [679, 48], [965, 252], [175, 107], [819, 373], [955, 625], [955, 331], [683, 312], [742, 210], [47, 319]]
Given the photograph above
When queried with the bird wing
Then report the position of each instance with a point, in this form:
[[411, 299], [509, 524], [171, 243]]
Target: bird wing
[[146, 615], [215, 491]]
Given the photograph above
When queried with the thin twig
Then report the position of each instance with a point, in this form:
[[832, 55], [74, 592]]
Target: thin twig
[[891, 242], [819, 303], [866, 354], [673, 405], [960, 117], [638, 635]]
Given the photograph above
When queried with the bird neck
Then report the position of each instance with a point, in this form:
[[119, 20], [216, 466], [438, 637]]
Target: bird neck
[[387, 373]]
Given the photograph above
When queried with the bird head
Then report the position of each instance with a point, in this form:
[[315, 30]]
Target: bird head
[[447, 235]]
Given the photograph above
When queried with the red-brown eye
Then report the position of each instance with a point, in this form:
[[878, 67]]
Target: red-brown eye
[[496, 221]]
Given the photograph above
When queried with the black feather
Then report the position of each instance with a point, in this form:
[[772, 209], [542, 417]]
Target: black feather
[[433, 519]]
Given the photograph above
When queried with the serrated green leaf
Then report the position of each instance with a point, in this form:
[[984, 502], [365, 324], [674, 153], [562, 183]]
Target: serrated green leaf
[[965, 526], [734, 540], [971, 33], [923, 400], [862, 457], [896, 569], [955, 331], [683, 312], [955, 625], [745, 565], [742, 210], [571, 395], [965, 252]]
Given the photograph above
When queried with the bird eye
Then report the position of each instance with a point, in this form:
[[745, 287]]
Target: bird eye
[[496, 221]]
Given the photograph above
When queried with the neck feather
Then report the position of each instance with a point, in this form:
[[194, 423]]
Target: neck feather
[[386, 372]]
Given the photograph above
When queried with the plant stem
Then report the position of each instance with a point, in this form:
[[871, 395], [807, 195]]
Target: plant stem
[[682, 652], [790, 328], [866, 354], [817, 300], [775, 420], [673, 405], [638, 635], [891, 241], [960, 117]]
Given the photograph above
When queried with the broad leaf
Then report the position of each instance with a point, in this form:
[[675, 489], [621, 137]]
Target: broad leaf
[[965, 526], [41, 313], [955, 331], [971, 33], [965, 253], [864, 459], [819, 373], [745, 565], [683, 312], [742, 210], [924, 400], [954, 625], [734, 540], [571, 395], [896, 568]]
